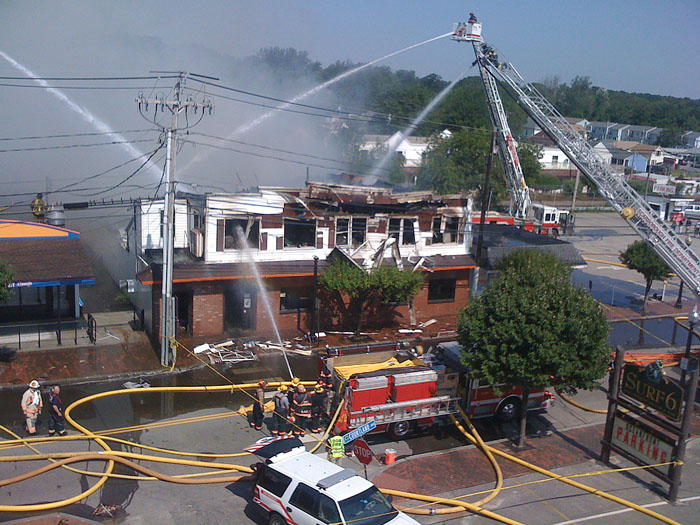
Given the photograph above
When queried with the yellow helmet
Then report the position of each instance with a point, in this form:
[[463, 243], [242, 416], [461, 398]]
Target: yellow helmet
[[296, 381], [318, 388], [282, 388]]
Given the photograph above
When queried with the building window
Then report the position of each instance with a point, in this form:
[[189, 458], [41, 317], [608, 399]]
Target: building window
[[441, 290], [402, 230], [294, 299], [299, 233], [197, 222], [249, 228], [448, 234], [350, 230]]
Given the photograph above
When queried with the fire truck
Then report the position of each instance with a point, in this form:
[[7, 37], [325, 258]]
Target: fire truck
[[403, 390]]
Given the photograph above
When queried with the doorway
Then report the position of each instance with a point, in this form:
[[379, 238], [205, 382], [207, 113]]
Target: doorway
[[240, 307]]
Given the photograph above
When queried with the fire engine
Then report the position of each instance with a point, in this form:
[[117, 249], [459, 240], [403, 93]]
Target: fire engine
[[402, 390]]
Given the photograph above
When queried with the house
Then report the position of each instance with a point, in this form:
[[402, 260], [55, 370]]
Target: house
[[691, 139], [49, 266], [412, 149], [288, 233], [623, 132], [531, 128]]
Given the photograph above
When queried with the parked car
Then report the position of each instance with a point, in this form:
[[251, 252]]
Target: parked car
[[692, 211], [296, 486]]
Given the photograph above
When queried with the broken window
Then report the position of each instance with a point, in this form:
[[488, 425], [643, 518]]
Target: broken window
[[249, 230], [395, 228], [441, 290], [342, 230], [402, 230], [437, 230], [359, 230], [299, 233], [451, 229], [293, 299]]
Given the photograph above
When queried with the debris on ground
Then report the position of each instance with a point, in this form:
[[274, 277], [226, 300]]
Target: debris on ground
[[226, 352]]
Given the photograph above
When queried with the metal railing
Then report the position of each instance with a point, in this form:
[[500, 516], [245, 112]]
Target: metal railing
[[38, 333]]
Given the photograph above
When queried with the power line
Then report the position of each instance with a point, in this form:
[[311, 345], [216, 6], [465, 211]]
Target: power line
[[85, 88], [69, 146], [272, 149], [76, 79], [71, 135], [132, 174], [332, 168]]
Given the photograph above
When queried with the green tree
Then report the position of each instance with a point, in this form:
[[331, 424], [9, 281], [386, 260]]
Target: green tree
[[384, 285], [530, 155], [6, 275], [533, 328], [641, 257]]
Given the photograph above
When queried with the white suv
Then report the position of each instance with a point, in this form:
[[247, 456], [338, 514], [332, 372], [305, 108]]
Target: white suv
[[692, 211], [300, 488]]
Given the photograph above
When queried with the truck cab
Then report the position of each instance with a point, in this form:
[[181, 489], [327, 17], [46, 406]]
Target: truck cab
[[550, 219]]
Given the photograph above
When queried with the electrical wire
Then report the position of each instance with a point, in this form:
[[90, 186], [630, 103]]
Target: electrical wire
[[69, 146], [77, 79], [71, 135], [131, 175]]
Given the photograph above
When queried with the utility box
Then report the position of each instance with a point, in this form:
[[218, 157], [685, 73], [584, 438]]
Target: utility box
[[414, 385], [368, 391]]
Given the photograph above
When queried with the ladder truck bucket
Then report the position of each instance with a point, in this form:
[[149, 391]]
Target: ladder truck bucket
[[467, 32]]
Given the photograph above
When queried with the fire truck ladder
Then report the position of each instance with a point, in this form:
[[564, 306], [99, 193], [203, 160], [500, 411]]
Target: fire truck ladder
[[621, 196], [405, 411], [520, 193]]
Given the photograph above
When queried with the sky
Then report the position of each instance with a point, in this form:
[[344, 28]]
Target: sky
[[637, 46]]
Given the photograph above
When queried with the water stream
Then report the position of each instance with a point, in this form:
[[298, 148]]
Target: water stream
[[416, 122], [262, 118], [97, 123], [243, 241]]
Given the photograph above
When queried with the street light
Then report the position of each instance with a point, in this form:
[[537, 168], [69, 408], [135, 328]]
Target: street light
[[693, 318]]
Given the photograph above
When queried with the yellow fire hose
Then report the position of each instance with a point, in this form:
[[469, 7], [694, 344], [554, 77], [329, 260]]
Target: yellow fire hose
[[576, 484]]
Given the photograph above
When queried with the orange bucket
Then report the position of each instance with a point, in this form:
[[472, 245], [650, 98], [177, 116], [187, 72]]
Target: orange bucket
[[389, 456]]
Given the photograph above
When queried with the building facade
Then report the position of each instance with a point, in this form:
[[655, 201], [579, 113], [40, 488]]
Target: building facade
[[284, 236]]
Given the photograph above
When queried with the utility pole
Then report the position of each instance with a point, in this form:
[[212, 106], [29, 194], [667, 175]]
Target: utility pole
[[175, 105], [485, 198]]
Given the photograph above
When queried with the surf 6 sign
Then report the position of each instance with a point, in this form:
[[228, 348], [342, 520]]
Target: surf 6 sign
[[648, 386]]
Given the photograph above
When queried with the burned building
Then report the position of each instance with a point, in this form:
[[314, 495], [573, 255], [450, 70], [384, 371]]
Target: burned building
[[282, 231]]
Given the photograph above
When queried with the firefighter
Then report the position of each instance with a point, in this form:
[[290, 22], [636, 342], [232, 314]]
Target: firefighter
[[259, 406], [279, 417], [38, 206], [31, 406], [337, 450], [301, 410], [292, 390], [472, 18], [324, 377], [318, 406]]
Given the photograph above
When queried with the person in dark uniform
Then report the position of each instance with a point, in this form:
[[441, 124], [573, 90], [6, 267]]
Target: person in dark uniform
[[56, 419], [301, 409], [259, 406], [318, 407], [472, 18], [281, 414]]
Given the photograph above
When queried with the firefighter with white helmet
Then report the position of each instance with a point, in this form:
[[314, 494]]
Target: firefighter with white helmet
[[32, 405]]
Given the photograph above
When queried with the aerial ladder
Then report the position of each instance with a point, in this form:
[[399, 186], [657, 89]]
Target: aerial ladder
[[621, 196]]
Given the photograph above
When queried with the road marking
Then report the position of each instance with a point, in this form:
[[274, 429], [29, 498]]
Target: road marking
[[621, 511], [547, 504]]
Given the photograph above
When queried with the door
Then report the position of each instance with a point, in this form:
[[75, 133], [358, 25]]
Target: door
[[240, 306], [307, 506]]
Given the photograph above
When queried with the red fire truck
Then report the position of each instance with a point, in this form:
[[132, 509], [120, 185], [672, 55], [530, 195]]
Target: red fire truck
[[402, 390]]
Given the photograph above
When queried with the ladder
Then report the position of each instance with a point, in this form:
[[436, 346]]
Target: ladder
[[404, 411], [621, 196]]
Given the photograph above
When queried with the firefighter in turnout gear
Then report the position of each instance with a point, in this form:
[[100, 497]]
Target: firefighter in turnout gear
[[259, 406], [279, 417], [324, 377], [318, 407], [292, 390], [31, 406], [301, 409]]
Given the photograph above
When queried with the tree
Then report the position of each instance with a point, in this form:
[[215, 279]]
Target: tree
[[5, 281], [641, 257], [533, 328], [382, 286]]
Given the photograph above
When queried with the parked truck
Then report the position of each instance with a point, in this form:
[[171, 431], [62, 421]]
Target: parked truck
[[404, 390]]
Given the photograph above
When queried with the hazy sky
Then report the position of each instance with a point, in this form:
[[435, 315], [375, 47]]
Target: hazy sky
[[638, 46]]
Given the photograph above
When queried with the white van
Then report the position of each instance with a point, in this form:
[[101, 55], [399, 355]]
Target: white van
[[692, 211], [298, 487]]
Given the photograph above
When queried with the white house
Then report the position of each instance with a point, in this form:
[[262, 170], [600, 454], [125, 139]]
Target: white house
[[412, 149]]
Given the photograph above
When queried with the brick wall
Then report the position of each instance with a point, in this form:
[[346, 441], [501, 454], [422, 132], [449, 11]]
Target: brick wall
[[287, 321], [207, 309]]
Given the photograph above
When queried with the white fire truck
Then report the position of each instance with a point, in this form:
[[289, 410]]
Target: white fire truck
[[402, 391]]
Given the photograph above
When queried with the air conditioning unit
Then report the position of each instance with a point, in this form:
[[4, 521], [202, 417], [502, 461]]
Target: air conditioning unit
[[196, 243]]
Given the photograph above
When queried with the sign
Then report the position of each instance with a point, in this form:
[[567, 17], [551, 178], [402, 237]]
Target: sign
[[362, 451], [649, 387], [644, 443], [359, 431], [665, 189]]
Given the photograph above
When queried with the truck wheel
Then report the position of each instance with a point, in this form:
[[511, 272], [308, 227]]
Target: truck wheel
[[508, 409], [400, 429], [276, 519]]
